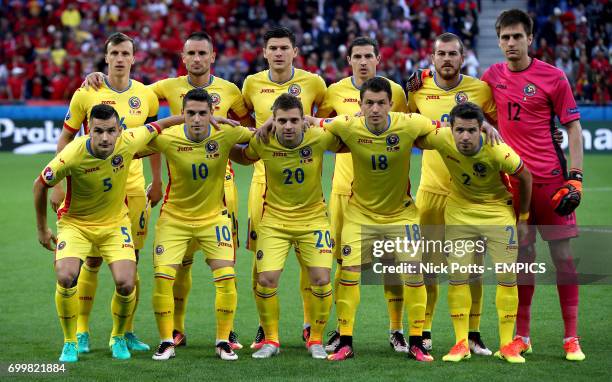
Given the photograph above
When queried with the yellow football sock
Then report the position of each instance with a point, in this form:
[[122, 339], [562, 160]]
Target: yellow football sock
[[433, 289], [129, 326], [394, 294], [506, 302], [122, 308], [306, 293], [267, 306], [163, 301], [86, 286], [321, 305], [459, 301], [415, 298], [476, 291], [67, 305], [226, 299], [347, 301], [181, 289]]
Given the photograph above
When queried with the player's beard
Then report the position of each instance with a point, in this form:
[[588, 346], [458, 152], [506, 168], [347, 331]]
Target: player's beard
[[448, 75]]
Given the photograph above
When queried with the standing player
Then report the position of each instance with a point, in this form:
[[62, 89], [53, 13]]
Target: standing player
[[343, 98], [480, 205], [94, 216], [136, 105], [259, 92], [198, 56], [435, 99], [380, 143], [295, 214], [194, 209], [529, 93]]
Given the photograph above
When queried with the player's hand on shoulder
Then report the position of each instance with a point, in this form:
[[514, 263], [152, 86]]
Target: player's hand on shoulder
[[215, 121], [93, 80], [57, 197], [492, 136], [47, 239], [263, 133], [416, 79]]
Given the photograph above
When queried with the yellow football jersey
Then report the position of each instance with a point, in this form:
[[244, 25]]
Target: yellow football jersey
[[260, 92], [196, 170], [480, 180], [227, 99], [343, 98], [136, 105], [436, 103], [95, 193], [294, 195], [381, 163]]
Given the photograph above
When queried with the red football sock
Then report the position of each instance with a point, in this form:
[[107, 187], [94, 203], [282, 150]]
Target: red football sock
[[523, 317]]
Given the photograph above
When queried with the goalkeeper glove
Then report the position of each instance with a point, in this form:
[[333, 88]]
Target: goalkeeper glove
[[416, 79], [567, 197]]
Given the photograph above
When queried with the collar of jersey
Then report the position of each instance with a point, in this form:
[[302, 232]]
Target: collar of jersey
[[191, 140], [284, 82], [385, 130], [210, 81], [522, 70], [115, 90], [353, 82], [452, 87]]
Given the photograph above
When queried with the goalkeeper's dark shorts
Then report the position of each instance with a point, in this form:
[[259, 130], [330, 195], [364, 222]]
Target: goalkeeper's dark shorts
[[542, 213]]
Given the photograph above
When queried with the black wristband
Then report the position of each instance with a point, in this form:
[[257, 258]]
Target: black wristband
[[575, 174]]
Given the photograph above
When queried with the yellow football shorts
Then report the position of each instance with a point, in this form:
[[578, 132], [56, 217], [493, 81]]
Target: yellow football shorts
[[172, 238], [312, 241], [255, 210], [111, 242], [360, 232], [431, 208], [337, 205]]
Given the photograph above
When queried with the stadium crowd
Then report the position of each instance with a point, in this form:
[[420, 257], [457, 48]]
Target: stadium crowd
[[46, 47]]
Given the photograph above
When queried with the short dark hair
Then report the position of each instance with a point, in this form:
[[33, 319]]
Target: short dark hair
[[103, 112], [199, 95], [287, 101], [448, 37], [513, 17], [363, 41], [376, 84], [200, 36], [116, 39], [467, 110], [279, 32]]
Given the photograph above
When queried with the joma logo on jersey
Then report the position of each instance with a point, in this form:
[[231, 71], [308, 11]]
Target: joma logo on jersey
[[432, 97], [278, 154], [88, 170], [184, 148], [500, 86], [325, 251], [127, 245], [223, 244], [351, 100], [111, 102], [266, 91], [364, 141]]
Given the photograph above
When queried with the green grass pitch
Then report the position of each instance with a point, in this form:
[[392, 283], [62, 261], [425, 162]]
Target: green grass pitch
[[31, 332]]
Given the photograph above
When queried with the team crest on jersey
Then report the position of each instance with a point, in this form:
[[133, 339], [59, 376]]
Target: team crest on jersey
[[159, 249], [346, 250], [216, 98], [259, 254], [461, 97], [294, 90], [212, 147], [61, 245], [117, 160], [392, 140], [529, 90], [253, 235], [480, 169], [134, 102], [48, 174], [306, 152]]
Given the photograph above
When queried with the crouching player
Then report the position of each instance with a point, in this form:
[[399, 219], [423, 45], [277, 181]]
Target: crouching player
[[294, 214], [94, 216], [480, 206], [194, 208]]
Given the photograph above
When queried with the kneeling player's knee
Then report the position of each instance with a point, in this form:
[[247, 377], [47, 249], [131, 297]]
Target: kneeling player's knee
[[93, 262]]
